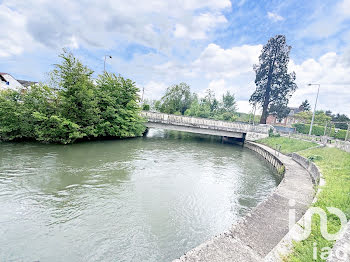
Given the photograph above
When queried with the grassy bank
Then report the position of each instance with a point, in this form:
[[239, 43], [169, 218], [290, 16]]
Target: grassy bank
[[288, 145], [335, 167]]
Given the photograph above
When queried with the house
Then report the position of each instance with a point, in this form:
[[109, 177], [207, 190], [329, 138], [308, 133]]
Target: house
[[7, 81], [287, 121]]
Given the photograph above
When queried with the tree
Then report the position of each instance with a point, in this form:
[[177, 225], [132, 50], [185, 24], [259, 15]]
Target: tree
[[279, 110], [341, 118], [229, 103], [305, 106], [320, 117], [211, 101], [119, 111], [274, 85], [74, 107], [177, 98], [78, 93]]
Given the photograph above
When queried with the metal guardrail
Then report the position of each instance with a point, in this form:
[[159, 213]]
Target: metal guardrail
[[204, 123]]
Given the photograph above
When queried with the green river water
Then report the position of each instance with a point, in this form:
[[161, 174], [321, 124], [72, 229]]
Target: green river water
[[145, 199]]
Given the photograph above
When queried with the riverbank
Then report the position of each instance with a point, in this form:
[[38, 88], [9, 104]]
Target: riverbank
[[287, 145], [334, 165]]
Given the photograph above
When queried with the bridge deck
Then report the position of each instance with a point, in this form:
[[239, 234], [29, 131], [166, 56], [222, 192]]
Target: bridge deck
[[205, 126]]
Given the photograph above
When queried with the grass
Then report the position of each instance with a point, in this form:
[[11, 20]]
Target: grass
[[288, 145], [335, 167]]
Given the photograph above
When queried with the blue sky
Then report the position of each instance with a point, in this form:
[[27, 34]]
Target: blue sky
[[205, 43]]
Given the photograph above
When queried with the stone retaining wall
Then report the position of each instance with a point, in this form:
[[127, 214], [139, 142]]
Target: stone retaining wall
[[257, 234]]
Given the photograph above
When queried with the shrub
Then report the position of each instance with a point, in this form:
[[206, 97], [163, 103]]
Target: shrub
[[146, 107]]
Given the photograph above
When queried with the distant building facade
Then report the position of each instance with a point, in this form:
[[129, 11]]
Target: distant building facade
[[7, 81], [287, 121]]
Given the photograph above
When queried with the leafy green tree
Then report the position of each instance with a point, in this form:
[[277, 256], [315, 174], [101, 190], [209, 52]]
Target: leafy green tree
[[55, 129], [177, 98], [199, 108], [72, 108], [118, 107], [78, 93], [274, 85], [229, 102], [211, 101], [305, 106], [343, 119], [146, 107], [11, 117], [320, 117]]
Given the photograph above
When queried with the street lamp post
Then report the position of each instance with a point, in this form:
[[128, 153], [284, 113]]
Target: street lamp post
[[104, 65], [313, 115]]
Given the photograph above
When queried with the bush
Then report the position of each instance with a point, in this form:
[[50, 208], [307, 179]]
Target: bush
[[146, 107], [74, 108], [319, 131]]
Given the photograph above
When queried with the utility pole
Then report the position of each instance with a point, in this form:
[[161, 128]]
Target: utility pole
[[143, 91], [104, 64], [313, 115], [347, 132]]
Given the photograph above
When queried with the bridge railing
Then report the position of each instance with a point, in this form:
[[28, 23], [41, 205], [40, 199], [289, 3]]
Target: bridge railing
[[204, 123]]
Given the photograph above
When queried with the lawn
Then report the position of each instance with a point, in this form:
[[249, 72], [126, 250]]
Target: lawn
[[334, 164], [288, 145]]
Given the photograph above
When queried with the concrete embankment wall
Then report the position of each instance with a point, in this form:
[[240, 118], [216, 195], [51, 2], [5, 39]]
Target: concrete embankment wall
[[256, 235], [309, 166], [270, 158], [285, 246]]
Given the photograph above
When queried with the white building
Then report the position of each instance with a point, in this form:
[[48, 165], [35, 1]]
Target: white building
[[7, 81]]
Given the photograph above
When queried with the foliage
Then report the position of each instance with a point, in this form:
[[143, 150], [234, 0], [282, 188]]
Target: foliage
[[320, 117], [177, 98], [273, 134], [72, 108], [274, 85], [334, 165], [341, 118], [11, 117], [244, 117], [319, 131], [305, 106], [146, 107], [281, 111], [288, 145], [78, 93], [119, 111], [210, 107]]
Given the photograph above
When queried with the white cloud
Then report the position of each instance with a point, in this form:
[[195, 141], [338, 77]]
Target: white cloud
[[13, 38], [215, 61], [232, 70], [332, 72], [274, 17], [200, 26], [105, 23], [153, 89]]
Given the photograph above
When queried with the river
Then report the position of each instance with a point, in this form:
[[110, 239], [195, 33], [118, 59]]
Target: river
[[145, 199]]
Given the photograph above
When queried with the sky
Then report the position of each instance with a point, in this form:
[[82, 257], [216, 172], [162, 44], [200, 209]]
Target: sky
[[209, 44]]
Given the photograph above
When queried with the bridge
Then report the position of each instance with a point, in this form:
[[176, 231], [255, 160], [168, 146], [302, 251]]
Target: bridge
[[236, 130]]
